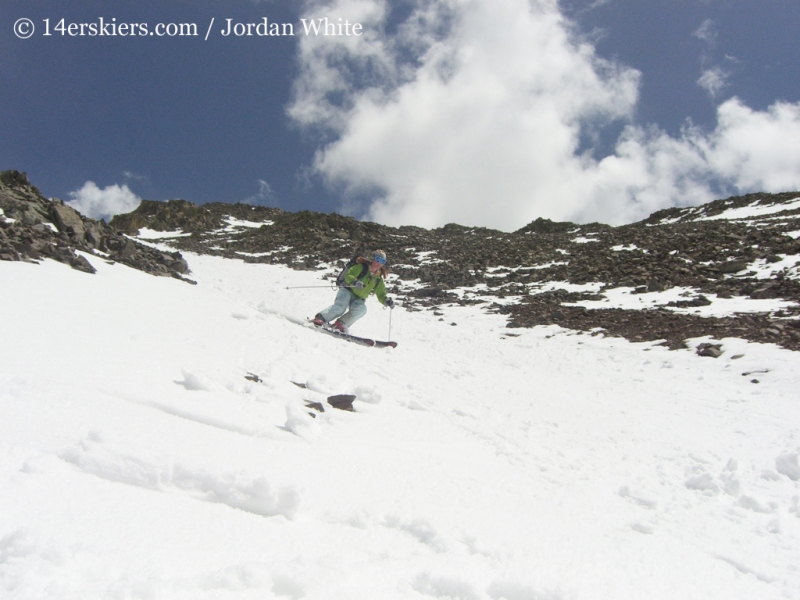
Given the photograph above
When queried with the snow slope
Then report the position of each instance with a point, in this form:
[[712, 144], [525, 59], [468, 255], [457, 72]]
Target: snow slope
[[137, 461]]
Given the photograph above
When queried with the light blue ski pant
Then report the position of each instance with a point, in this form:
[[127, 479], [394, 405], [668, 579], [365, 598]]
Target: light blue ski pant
[[345, 302]]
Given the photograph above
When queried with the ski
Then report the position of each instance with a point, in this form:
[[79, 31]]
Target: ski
[[309, 323], [345, 336], [381, 344], [353, 338]]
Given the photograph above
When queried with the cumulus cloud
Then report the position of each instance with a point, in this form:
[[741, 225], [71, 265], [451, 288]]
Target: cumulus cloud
[[103, 203], [755, 150], [475, 111]]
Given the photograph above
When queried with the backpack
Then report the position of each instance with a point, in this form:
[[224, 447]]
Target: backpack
[[351, 263]]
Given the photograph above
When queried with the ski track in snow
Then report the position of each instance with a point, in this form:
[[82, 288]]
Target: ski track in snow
[[136, 461]]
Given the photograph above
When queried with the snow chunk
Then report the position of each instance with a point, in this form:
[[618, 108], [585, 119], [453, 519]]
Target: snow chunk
[[703, 483], [196, 381], [787, 464], [287, 585], [18, 543], [754, 504], [643, 527], [419, 529], [367, 393], [770, 475], [640, 497], [301, 423]]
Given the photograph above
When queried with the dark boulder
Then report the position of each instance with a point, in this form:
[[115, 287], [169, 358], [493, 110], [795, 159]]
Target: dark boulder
[[342, 402]]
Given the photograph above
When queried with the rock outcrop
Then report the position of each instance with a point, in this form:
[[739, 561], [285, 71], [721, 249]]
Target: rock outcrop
[[33, 228]]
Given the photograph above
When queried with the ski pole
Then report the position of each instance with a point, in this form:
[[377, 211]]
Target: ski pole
[[306, 287], [390, 324]]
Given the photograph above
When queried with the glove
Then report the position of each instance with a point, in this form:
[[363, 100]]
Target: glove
[[389, 302], [359, 285]]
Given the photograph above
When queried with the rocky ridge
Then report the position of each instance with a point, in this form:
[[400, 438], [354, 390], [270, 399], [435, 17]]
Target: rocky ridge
[[730, 268], [33, 228], [679, 264]]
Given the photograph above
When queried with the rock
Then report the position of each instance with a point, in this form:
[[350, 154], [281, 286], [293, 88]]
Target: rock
[[68, 220], [342, 402], [14, 179], [127, 249], [764, 293], [712, 350], [81, 264], [733, 266], [9, 254], [694, 302], [94, 236]]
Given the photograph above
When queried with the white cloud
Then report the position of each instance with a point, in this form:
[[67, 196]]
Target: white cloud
[[104, 203], [131, 176], [473, 112], [265, 196], [755, 150], [714, 80], [707, 32]]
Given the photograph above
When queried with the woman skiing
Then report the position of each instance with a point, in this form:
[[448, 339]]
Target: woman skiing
[[360, 281]]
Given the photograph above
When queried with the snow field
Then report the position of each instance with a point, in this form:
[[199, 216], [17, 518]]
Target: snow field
[[754, 210], [136, 461]]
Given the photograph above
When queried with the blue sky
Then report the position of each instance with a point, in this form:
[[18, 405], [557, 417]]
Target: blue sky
[[486, 112], [754, 42]]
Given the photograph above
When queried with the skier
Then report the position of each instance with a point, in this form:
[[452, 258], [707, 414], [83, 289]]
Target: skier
[[359, 281]]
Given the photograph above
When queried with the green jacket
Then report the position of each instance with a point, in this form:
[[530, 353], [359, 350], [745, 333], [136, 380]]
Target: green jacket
[[372, 283]]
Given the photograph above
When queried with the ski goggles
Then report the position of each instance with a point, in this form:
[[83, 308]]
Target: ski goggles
[[379, 259]]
